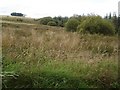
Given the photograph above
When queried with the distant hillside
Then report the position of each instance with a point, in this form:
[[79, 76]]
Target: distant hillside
[[20, 19]]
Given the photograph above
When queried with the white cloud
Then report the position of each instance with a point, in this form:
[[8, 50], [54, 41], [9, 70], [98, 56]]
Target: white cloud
[[41, 8]]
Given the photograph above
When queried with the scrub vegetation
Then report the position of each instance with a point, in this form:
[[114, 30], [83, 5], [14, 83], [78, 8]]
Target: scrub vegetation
[[42, 56]]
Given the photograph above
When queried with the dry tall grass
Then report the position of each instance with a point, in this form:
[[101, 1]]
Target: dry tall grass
[[59, 43], [93, 53]]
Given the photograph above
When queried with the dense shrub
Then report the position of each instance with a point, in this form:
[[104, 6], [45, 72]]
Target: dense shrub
[[45, 20], [72, 25], [60, 21], [96, 25], [52, 23]]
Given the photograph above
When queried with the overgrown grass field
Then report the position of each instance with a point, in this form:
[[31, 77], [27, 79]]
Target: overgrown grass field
[[39, 56]]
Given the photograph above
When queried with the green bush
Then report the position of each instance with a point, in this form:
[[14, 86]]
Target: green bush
[[45, 20], [52, 23], [96, 25], [72, 25]]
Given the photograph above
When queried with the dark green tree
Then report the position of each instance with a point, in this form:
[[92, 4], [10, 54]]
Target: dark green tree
[[110, 16], [60, 21], [119, 25], [106, 17], [17, 14], [115, 22]]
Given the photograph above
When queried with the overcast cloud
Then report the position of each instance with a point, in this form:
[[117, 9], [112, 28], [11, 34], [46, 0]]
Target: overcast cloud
[[42, 8]]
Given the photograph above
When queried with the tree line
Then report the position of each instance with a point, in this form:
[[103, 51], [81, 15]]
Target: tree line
[[91, 23], [55, 21], [83, 23], [115, 20]]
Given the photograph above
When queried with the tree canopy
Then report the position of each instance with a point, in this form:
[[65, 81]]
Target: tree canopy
[[17, 14]]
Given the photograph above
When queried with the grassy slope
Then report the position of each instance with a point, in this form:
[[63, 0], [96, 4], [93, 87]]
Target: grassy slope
[[20, 19], [44, 56]]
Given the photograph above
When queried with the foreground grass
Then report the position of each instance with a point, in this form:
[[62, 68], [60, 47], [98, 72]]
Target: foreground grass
[[42, 57], [60, 75]]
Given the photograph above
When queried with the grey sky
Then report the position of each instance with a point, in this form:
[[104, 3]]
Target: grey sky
[[42, 8]]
